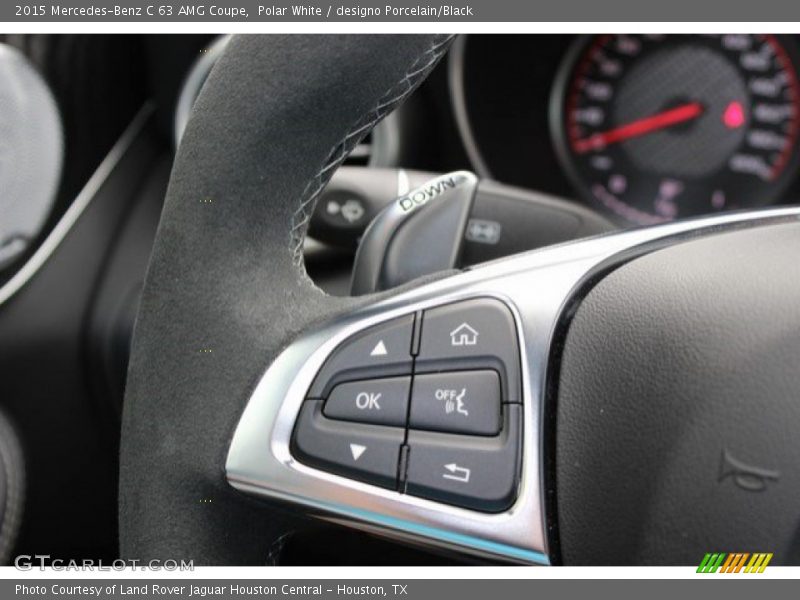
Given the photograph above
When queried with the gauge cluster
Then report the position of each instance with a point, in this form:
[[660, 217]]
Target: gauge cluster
[[644, 128]]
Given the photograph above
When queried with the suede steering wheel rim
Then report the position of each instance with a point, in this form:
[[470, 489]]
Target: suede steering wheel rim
[[673, 345], [226, 289]]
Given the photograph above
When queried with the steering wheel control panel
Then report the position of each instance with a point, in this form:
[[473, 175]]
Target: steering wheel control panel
[[420, 416], [428, 404]]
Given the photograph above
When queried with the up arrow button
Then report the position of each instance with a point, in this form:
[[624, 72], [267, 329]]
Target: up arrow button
[[383, 350], [379, 349]]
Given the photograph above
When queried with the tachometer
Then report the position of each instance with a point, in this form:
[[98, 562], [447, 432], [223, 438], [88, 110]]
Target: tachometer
[[657, 127]]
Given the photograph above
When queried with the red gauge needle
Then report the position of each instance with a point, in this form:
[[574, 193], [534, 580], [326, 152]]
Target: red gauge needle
[[662, 120]]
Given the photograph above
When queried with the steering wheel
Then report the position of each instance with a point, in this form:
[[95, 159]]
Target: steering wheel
[[640, 388]]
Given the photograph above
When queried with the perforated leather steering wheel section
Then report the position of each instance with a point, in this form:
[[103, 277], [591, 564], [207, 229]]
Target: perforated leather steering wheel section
[[433, 413]]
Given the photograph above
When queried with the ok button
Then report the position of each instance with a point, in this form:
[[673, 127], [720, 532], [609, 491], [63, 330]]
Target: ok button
[[368, 400], [378, 401]]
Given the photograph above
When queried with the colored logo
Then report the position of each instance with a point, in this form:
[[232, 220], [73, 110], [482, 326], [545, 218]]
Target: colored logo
[[734, 562]]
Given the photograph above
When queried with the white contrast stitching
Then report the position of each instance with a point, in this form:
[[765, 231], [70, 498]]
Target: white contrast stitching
[[389, 101], [276, 548]]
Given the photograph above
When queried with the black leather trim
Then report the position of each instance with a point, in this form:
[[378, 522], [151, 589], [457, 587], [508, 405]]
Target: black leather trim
[[677, 411]]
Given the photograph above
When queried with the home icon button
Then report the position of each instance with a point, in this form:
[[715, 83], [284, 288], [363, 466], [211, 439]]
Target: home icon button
[[475, 334], [464, 335]]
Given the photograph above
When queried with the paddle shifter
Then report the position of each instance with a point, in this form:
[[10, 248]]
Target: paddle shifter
[[428, 403], [453, 221]]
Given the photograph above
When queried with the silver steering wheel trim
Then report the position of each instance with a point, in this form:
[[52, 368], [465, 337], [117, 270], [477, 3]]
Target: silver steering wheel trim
[[537, 287]]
